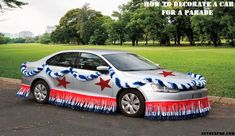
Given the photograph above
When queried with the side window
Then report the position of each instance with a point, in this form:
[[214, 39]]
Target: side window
[[90, 61], [63, 59]]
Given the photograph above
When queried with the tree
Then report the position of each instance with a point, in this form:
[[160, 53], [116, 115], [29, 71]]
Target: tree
[[216, 26], [134, 31], [4, 4], [66, 31], [45, 38], [228, 21], [109, 24], [3, 39], [86, 23], [77, 26], [118, 26], [129, 19], [199, 25], [100, 34]]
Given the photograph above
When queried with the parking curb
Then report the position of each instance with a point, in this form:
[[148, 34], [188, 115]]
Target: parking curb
[[10, 80], [213, 99]]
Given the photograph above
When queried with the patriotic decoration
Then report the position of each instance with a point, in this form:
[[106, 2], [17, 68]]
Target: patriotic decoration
[[177, 110], [52, 74], [62, 82], [166, 73], [199, 81], [24, 91], [82, 102], [160, 110], [103, 83]]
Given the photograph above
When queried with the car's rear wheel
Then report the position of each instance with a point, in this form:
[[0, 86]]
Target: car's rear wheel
[[41, 91], [131, 103]]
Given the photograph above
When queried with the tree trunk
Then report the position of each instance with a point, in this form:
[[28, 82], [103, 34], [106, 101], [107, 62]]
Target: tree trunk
[[214, 38], [190, 37], [232, 43], [175, 39], [178, 39], [133, 41], [153, 41], [120, 38], [146, 39]]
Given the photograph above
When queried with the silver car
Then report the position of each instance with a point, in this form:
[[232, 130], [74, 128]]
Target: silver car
[[106, 81]]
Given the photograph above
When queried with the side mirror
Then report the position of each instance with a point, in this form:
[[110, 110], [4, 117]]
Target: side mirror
[[103, 69], [158, 65]]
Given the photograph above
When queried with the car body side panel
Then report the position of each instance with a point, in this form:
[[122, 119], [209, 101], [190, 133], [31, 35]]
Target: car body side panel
[[94, 87]]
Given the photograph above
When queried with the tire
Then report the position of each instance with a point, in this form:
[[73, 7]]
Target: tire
[[132, 103], [41, 92]]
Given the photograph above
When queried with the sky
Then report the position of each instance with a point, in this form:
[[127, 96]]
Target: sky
[[39, 14]]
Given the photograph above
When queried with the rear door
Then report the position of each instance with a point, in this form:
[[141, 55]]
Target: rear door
[[86, 65], [61, 62]]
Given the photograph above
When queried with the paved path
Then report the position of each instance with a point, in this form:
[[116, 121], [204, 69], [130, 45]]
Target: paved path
[[25, 117]]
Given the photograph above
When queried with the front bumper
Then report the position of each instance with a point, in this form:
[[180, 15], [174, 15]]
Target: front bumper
[[151, 95], [176, 106]]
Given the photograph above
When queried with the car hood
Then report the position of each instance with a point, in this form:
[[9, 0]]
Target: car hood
[[175, 77], [163, 77]]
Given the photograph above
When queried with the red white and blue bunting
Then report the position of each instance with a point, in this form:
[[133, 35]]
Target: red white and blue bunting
[[177, 110], [24, 91], [82, 102], [199, 81]]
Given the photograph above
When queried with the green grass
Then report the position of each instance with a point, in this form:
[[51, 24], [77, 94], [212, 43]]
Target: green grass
[[216, 64]]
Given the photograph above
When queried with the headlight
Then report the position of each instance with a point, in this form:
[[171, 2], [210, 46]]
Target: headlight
[[164, 89], [156, 88]]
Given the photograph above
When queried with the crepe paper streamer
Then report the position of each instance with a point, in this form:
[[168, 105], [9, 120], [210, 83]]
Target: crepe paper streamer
[[70, 70], [24, 90], [177, 110], [34, 72], [82, 102], [198, 82]]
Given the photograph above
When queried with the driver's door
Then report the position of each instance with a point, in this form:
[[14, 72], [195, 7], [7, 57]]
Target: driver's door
[[87, 64]]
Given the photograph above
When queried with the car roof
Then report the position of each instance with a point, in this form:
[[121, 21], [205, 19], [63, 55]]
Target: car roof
[[96, 51]]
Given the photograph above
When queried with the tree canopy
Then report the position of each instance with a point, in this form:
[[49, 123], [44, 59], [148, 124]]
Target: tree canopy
[[134, 22]]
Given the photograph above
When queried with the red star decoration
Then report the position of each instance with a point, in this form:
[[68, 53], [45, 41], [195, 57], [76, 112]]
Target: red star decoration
[[166, 73], [103, 84], [62, 82]]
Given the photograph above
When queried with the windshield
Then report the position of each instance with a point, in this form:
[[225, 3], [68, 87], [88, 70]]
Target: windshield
[[130, 62]]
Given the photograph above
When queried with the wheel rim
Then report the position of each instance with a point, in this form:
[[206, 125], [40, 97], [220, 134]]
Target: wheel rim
[[130, 103], [40, 92]]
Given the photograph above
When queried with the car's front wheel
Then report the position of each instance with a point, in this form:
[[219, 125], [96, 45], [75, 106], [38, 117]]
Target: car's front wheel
[[41, 91], [132, 103]]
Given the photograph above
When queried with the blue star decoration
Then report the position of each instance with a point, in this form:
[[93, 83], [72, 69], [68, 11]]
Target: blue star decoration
[[62, 82], [103, 84]]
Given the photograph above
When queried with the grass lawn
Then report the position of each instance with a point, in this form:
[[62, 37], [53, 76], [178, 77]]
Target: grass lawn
[[216, 64]]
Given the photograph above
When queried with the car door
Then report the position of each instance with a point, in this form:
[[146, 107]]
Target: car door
[[59, 63], [86, 65]]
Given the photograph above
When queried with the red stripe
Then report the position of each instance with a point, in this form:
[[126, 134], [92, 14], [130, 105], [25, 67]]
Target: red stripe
[[25, 86]]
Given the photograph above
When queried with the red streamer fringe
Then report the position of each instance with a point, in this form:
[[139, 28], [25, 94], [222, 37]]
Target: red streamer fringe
[[175, 106], [24, 90], [105, 102]]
